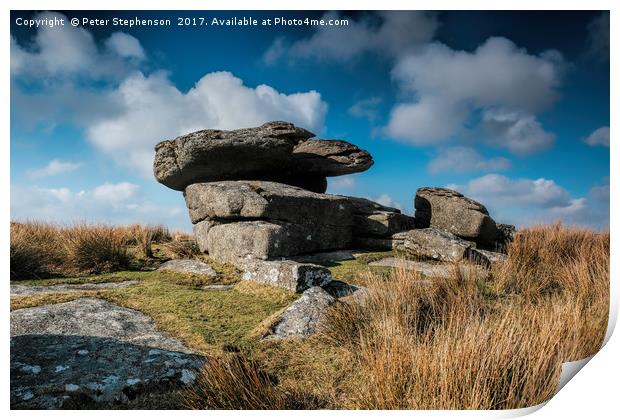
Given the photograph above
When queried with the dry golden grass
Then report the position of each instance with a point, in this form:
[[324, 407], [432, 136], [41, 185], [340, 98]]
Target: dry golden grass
[[461, 342], [443, 344], [47, 250]]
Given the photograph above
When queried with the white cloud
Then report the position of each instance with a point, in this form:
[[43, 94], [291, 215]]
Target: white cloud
[[115, 193], [446, 86], [465, 159], [366, 108], [387, 33], [54, 167], [520, 133], [66, 51], [599, 137], [111, 203], [151, 109], [125, 46], [387, 200], [345, 182], [527, 201]]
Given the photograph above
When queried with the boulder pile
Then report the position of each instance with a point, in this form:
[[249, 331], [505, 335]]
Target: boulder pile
[[256, 198]]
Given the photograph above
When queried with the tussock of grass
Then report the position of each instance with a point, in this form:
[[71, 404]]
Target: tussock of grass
[[45, 250]]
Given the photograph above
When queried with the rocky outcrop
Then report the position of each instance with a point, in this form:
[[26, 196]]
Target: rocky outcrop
[[449, 210], [256, 199], [89, 351]]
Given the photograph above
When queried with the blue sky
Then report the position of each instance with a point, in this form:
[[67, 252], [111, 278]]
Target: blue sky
[[510, 108]]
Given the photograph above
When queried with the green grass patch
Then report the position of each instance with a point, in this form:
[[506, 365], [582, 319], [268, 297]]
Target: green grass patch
[[353, 271], [204, 320], [116, 277]]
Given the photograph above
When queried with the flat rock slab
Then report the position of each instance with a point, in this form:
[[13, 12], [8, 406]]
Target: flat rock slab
[[188, 267], [91, 351], [25, 290], [343, 255]]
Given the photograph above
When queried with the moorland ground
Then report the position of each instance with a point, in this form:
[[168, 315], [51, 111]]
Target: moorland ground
[[490, 339]]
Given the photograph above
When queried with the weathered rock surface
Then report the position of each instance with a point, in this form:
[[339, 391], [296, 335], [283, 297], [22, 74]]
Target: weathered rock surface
[[276, 151], [431, 243], [26, 290], [341, 255], [302, 318], [188, 267], [286, 274], [267, 240], [329, 158], [89, 350], [215, 155], [235, 200], [451, 211]]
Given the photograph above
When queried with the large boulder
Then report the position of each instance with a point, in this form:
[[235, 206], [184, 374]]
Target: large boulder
[[451, 211], [235, 200], [329, 158], [286, 274], [276, 151], [432, 243], [213, 155], [259, 239]]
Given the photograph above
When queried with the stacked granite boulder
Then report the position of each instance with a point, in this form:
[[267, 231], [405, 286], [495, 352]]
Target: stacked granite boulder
[[256, 198]]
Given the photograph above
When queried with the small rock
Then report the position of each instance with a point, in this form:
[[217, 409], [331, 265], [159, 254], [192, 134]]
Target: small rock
[[432, 243], [302, 318], [188, 267], [286, 274]]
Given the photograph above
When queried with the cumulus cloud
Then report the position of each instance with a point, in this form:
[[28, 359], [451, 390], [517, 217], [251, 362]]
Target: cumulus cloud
[[366, 108], [387, 32], [525, 201], [599, 137], [112, 203], [54, 167], [461, 159], [598, 37], [387, 200], [520, 133], [345, 182], [67, 51], [125, 46], [151, 109], [498, 78]]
